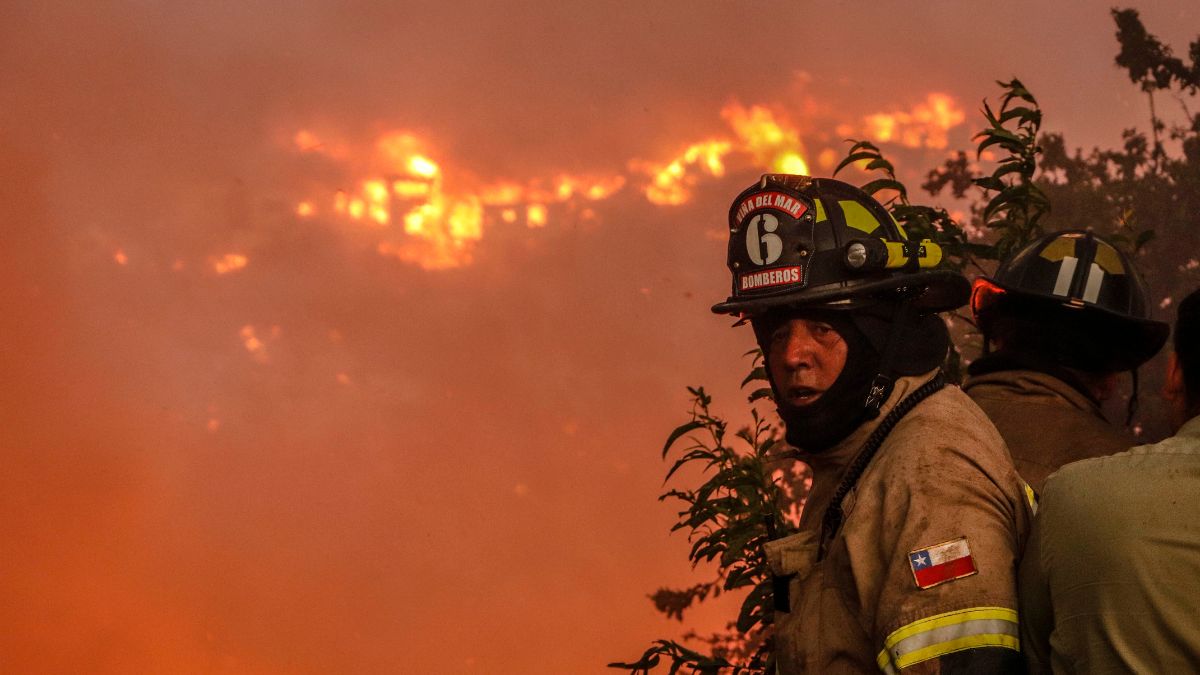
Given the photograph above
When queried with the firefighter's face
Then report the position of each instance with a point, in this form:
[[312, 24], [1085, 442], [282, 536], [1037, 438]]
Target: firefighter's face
[[805, 357]]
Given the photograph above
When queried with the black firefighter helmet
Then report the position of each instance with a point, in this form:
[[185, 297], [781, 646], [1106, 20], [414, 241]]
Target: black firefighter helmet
[[1074, 283], [797, 241]]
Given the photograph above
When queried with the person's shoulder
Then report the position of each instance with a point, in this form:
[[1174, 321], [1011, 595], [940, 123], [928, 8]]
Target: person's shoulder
[[946, 428], [944, 455], [1098, 469], [949, 417]]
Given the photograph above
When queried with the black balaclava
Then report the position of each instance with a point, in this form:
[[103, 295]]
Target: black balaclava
[[867, 331]]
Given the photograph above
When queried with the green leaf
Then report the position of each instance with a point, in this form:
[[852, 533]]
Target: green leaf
[[1019, 112], [881, 163], [679, 432], [884, 184], [852, 158], [754, 607], [1144, 237], [760, 394], [758, 373]]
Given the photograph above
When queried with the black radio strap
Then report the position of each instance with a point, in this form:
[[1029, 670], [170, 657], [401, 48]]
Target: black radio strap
[[832, 520]]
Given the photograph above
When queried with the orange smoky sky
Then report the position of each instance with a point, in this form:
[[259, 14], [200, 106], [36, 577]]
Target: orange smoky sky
[[343, 337]]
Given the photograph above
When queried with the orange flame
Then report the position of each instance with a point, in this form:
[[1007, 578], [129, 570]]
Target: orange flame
[[402, 190], [772, 143], [672, 182], [405, 195], [923, 126]]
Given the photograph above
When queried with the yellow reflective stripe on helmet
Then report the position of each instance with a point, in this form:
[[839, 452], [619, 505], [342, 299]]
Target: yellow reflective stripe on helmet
[[899, 227], [858, 217], [1107, 259], [820, 210], [929, 254], [950, 632], [1063, 247]]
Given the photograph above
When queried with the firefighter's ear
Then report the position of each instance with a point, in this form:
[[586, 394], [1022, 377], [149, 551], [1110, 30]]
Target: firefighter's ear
[[1174, 389]]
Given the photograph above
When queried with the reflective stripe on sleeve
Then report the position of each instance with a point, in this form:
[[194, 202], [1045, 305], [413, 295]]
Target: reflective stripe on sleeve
[[950, 632]]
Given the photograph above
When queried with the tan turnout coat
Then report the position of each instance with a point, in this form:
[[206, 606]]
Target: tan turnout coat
[[942, 474]]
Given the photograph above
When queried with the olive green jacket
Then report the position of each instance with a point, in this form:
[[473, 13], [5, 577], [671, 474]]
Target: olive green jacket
[[1110, 581]]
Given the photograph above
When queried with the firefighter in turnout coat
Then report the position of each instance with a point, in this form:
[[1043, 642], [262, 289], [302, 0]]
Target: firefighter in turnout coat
[[906, 554], [1066, 314]]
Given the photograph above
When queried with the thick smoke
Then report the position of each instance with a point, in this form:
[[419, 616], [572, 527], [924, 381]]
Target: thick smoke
[[328, 460]]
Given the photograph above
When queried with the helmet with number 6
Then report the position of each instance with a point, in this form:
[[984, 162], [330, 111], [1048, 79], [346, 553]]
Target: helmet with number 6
[[797, 241]]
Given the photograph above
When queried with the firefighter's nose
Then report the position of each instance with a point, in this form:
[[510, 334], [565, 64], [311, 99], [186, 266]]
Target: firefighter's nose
[[799, 348]]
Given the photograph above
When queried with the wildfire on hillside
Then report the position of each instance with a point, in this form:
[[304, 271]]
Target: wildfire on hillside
[[432, 217]]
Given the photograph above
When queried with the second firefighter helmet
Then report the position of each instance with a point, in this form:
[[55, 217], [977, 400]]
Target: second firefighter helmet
[[1075, 277], [797, 241]]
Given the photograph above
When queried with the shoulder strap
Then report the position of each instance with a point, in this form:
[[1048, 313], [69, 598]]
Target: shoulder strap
[[832, 520]]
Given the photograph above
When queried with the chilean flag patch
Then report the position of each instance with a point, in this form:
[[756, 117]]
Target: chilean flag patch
[[942, 562]]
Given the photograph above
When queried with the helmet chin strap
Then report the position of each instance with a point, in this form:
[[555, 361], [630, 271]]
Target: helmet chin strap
[[1132, 406]]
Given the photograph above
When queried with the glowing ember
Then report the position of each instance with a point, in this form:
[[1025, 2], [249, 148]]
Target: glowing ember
[[535, 215], [502, 194], [422, 166], [252, 344], [376, 201], [230, 262], [306, 141], [256, 345], [120, 257], [305, 209], [408, 189], [590, 188]]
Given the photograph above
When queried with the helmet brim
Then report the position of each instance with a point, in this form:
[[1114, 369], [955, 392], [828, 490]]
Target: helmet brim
[[929, 291], [1132, 341]]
